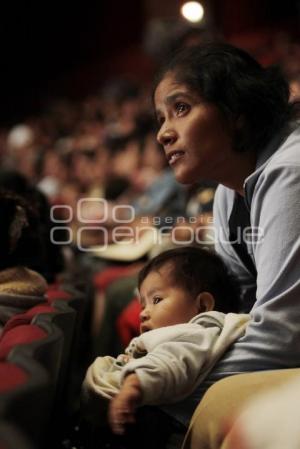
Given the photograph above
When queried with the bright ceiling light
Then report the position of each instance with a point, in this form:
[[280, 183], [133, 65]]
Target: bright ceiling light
[[192, 11]]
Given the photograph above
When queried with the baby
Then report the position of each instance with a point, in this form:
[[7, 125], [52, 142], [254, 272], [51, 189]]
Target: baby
[[187, 298]]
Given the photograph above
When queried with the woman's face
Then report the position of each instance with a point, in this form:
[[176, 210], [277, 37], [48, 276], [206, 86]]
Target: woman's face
[[195, 136]]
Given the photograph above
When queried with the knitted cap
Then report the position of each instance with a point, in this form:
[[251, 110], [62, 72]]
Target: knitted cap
[[22, 281]]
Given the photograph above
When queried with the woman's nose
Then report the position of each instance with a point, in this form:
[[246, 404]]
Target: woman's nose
[[166, 137]]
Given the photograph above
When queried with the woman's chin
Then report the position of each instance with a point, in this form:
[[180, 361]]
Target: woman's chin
[[184, 177]]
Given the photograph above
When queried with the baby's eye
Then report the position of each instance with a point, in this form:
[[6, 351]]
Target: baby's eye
[[181, 108], [156, 299]]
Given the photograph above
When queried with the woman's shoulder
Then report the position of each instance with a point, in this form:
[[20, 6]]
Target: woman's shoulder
[[288, 153], [283, 163], [223, 201]]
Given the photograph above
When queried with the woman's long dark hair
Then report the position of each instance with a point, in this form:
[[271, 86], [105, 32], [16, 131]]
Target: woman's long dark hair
[[255, 98]]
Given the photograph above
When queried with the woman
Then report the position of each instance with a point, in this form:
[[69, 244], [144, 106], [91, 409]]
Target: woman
[[224, 118]]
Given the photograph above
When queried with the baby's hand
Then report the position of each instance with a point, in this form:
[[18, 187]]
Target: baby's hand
[[122, 406]]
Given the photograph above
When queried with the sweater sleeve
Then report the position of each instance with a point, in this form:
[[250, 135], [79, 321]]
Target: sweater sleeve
[[170, 371], [272, 339], [276, 313], [222, 209]]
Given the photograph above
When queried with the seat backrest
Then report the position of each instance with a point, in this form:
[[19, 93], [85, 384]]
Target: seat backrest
[[26, 317], [80, 343], [64, 319], [62, 316], [55, 292], [74, 298], [43, 343], [80, 348], [11, 437], [25, 397], [19, 335]]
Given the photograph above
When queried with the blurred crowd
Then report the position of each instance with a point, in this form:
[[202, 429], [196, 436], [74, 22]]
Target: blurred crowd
[[107, 200], [98, 166]]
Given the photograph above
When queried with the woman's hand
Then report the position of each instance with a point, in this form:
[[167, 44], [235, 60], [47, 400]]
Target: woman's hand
[[122, 406]]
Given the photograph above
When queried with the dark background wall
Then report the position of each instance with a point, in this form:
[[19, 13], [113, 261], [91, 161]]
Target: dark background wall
[[50, 48]]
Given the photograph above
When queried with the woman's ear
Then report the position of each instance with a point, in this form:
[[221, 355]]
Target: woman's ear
[[205, 302]]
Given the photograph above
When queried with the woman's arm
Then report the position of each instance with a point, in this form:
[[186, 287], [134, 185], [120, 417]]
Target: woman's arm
[[272, 339]]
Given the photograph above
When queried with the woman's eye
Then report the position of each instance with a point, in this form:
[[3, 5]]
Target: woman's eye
[[156, 299], [181, 108], [160, 121]]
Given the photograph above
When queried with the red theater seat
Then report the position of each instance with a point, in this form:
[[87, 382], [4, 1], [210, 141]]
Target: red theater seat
[[128, 322], [43, 343], [11, 437], [72, 297], [25, 318], [11, 376], [64, 319], [103, 279], [55, 292], [25, 397], [79, 358], [20, 335]]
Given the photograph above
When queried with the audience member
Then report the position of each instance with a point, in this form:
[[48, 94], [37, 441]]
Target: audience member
[[21, 287]]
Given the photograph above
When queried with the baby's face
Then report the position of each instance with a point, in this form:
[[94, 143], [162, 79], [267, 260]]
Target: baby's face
[[163, 303]]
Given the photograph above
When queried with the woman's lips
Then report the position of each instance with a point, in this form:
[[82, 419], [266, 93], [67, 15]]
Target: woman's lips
[[174, 156]]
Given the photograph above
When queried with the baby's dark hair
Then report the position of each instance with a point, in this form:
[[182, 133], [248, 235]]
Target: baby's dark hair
[[197, 270]]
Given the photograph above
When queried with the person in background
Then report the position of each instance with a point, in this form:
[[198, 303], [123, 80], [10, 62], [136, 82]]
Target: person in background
[[21, 287], [49, 258]]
